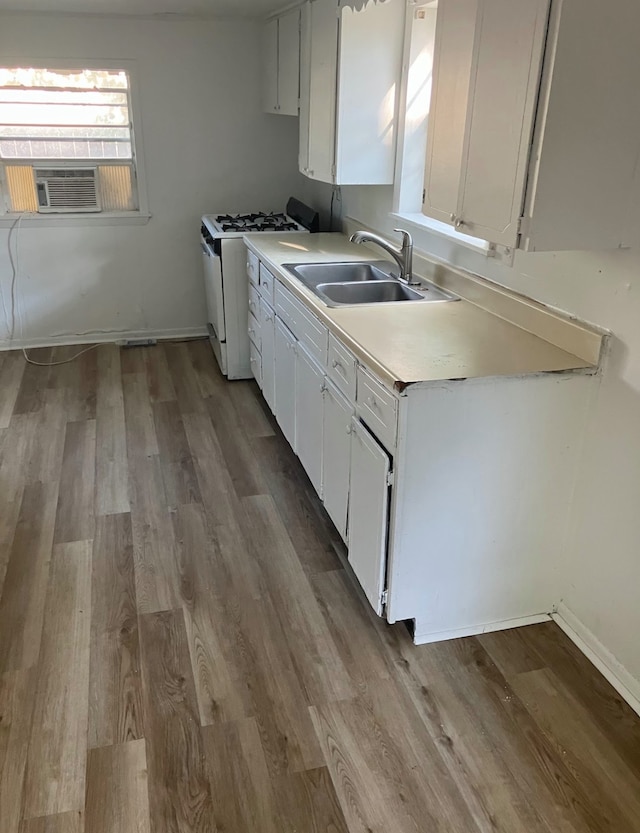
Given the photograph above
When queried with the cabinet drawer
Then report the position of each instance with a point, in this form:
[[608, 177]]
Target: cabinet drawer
[[342, 366], [378, 408], [252, 268], [303, 324], [255, 331], [255, 360], [254, 300], [267, 284]]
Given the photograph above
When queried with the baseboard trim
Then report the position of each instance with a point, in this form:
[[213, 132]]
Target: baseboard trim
[[611, 668], [424, 638], [102, 338]]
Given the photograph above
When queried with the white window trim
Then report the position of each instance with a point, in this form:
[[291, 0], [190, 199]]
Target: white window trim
[[139, 216], [406, 210]]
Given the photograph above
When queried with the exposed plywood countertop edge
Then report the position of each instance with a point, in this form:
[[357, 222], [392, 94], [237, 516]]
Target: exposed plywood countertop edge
[[407, 344]]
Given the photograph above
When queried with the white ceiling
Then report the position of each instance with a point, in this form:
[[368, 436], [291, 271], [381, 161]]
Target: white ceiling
[[203, 8]]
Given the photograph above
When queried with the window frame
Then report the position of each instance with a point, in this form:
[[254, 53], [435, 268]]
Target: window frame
[[138, 216]]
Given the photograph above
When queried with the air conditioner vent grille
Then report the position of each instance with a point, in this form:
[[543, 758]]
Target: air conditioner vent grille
[[67, 189]]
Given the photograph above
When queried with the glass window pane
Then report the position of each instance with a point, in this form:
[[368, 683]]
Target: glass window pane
[[88, 114], [84, 79]]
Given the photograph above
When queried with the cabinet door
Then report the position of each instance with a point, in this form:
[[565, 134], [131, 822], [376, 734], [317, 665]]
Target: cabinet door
[[505, 80], [368, 513], [453, 54], [309, 396], [285, 382], [366, 123], [305, 87], [268, 330], [336, 456], [323, 60], [270, 67], [289, 63], [486, 77]]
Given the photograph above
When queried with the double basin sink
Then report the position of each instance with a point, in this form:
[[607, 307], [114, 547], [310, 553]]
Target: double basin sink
[[366, 282]]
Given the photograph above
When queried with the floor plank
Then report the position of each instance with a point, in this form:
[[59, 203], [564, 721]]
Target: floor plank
[[386, 770], [25, 584], [74, 518], [55, 779], [16, 708], [72, 822], [115, 693], [11, 373], [117, 798], [156, 567], [112, 466], [179, 788], [178, 472], [33, 383]]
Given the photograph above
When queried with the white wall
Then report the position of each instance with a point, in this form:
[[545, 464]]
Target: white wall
[[207, 147], [599, 579]]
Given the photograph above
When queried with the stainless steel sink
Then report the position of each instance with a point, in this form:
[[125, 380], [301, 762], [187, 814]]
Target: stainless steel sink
[[312, 274], [368, 292], [364, 282]]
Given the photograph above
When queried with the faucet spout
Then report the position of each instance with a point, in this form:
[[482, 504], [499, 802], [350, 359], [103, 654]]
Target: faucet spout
[[403, 254]]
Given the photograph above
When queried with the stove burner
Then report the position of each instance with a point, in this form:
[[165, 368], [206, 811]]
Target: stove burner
[[255, 222]]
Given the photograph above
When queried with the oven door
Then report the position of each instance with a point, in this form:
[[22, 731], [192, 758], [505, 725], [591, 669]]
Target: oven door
[[213, 289]]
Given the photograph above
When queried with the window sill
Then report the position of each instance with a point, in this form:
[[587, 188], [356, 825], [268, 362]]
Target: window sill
[[114, 218], [423, 223]]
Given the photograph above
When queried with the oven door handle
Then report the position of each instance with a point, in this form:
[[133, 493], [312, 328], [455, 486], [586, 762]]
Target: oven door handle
[[205, 249]]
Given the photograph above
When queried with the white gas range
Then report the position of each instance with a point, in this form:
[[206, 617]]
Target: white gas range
[[225, 276]]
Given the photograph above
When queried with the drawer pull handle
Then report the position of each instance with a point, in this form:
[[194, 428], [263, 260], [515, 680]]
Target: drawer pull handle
[[349, 430], [252, 332], [336, 364], [371, 402], [268, 318], [252, 304]]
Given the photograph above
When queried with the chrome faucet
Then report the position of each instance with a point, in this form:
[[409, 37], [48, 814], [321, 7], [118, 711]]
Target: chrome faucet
[[403, 255]]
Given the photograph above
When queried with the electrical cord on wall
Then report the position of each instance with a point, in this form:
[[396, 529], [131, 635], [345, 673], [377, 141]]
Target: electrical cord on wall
[[11, 326]]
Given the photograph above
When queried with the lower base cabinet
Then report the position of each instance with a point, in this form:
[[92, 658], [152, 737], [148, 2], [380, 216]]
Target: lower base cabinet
[[285, 382], [268, 332], [336, 456], [368, 512], [309, 389]]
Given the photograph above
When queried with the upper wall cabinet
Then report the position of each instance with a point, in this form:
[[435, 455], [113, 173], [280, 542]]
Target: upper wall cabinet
[[349, 76], [487, 62], [282, 64], [521, 152]]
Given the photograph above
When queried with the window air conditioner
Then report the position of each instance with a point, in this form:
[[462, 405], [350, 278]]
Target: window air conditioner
[[67, 190]]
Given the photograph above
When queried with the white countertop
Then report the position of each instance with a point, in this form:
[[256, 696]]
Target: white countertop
[[407, 343]]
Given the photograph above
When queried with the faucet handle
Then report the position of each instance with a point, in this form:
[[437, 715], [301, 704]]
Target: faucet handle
[[407, 240]]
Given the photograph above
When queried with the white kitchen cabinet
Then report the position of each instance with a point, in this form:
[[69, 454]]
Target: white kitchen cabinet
[[309, 389], [350, 70], [368, 513], [532, 153], [336, 456], [268, 334], [487, 61], [285, 382], [462, 538], [270, 66], [281, 64]]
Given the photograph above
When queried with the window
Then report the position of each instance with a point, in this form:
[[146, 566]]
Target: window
[[66, 141]]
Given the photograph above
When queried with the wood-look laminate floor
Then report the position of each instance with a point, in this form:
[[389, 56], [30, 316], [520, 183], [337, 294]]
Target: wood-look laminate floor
[[181, 650]]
